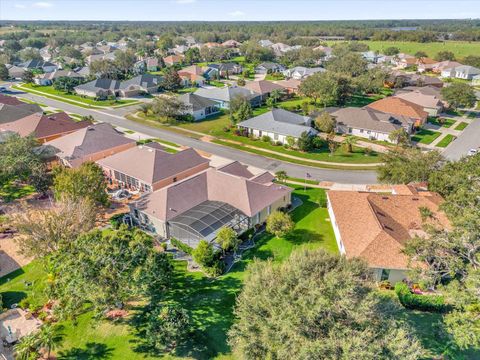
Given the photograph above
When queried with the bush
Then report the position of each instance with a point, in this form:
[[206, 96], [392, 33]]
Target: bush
[[181, 246], [278, 143], [431, 303], [266, 138], [318, 142], [117, 220], [24, 303]]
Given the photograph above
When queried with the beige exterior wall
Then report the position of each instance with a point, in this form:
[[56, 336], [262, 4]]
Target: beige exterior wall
[[263, 214], [102, 154], [395, 275]]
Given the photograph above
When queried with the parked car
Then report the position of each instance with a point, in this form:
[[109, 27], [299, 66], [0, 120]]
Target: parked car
[[472, 152]]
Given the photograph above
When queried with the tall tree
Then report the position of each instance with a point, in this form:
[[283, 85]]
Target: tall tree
[[4, 72], [171, 80], [337, 316], [399, 137], [124, 60], [445, 55], [28, 77], [459, 95], [325, 122]]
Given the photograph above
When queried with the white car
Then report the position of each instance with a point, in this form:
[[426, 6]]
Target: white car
[[472, 152]]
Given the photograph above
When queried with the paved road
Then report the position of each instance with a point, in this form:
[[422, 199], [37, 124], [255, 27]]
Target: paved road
[[468, 139], [116, 117]]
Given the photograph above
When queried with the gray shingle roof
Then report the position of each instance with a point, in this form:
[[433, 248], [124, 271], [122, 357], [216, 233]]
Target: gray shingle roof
[[226, 93], [281, 122], [195, 101]]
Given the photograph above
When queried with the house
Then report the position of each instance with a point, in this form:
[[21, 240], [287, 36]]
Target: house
[[429, 98], [265, 43], [151, 64], [376, 227], [44, 127], [149, 167], [197, 106], [290, 86], [397, 106], [263, 87], [173, 60], [15, 72], [280, 48], [223, 96], [401, 79], [465, 72], [443, 65], [10, 111], [102, 88], [476, 80], [301, 72], [192, 76], [47, 79], [269, 68], [372, 56], [426, 64], [198, 207], [397, 59], [222, 70], [232, 44], [369, 123], [92, 143], [101, 56], [328, 51], [42, 65], [278, 125]]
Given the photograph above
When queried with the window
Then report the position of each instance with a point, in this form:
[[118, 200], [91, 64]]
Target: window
[[368, 132], [361, 131], [349, 130], [275, 137], [385, 274]]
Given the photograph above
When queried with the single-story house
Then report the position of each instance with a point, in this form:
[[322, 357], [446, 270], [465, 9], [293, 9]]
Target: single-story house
[[11, 111], [301, 72], [100, 56], [290, 86], [222, 70], [197, 106], [426, 64], [232, 44], [15, 72], [263, 87], [328, 51], [372, 56], [198, 207], [151, 64], [173, 60], [92, 143], [42, 65], [192, 76], [278, 124], [443, 65], [149, 167], [375, 227], [280, 48], [431, 102], [102, 88], [45, 127], [412, 80], [265, 43], [398, 106], [397, 59], [269, 68], [223, 96], [465, 72], [49, 78], [369, 123]]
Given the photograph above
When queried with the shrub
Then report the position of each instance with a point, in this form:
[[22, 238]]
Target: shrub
[[117, 220], [266, 138], [279, 143], [42, 316], [318, 142], [431, 303], [181, 246], [24, 303]]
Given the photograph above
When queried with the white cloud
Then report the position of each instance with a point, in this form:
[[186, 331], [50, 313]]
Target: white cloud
[[236, 13], [185, 1], [20, 6], [42, 5]]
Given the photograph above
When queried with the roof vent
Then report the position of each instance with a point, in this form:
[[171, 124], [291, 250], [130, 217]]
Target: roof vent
[[385, 197], [388, 227], [415, 199]]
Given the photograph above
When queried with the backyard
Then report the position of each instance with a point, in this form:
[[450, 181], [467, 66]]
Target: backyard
[[49, 91]]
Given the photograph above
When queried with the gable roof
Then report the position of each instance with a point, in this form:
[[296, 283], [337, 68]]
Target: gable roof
[[289, 84], [196, 102], [245, 195], [236, 168], [262, 86], [10, 113], [89, 140], [225, 93], [420, 98], [399, 106], [143, 81], [150, 163], [100, 84], [376, 227], [281, 122], [43, 126]]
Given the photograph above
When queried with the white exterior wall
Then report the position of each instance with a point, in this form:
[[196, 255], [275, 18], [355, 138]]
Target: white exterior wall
[[336, 230], [367, 134], [275, 137], [395, 275]]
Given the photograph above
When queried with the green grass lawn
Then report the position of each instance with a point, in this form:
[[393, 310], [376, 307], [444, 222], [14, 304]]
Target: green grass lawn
[[425, 136], [187, 90], [445, 141], [461, 126], [274, 77], [10, 191], [216, 83], [49, 90], [447, 123], [363, 100], [459, 48]]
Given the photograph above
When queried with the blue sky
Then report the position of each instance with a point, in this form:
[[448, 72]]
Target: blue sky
[[211, 10]]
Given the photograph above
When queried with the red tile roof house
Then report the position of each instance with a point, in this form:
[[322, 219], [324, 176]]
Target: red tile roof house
[[149, 168], [45, 127], [197, 207], [376, 227], [90, 144], [397, 106]]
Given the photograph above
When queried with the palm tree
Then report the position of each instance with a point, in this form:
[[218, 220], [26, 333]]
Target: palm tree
[[48, 338], [276, 94], [349, 142], [145, 108], [26, 347]]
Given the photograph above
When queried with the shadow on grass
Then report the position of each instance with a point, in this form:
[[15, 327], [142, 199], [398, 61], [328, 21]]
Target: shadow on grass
[[91, 351], [12, 297]]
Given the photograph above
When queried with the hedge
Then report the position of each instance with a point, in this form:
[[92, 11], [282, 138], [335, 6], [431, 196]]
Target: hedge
[[181, 246], [431, 303]]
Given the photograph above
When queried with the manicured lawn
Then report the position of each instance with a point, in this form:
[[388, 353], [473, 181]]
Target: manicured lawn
[[447, 123], [187, 90], [444, 142], [459, 48], [49, 90], [10, 192], [461, 126], [425, 136], [216, 83], [274, 77]]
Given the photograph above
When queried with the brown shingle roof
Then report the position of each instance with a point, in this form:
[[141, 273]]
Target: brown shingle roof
[[376, 227], [237, 169], [397, 106]]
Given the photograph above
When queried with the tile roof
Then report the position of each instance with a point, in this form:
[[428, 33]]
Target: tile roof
[[245, 195], [398, 106], [376, 227], [193, 69], [262, 86], [43, 126], [150, 163]]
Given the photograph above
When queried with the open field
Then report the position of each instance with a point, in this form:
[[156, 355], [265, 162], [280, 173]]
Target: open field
[[459, 48]]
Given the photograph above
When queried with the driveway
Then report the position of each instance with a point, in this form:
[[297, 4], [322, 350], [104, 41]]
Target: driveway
[[468, 139], [116, 117]]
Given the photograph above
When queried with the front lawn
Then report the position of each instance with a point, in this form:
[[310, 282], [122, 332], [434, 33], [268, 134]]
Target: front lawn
[[49, 91], [424, 136], [446, 123], [444, 142], [461, 126]]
